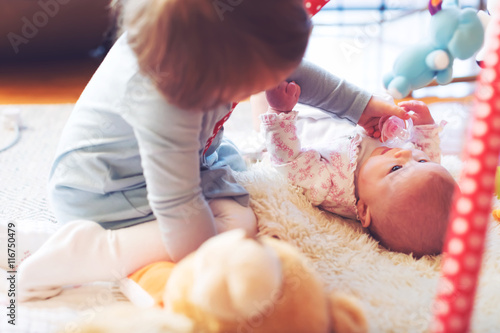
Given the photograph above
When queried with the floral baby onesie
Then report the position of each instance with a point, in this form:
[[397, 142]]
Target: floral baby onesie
[[327, 173]]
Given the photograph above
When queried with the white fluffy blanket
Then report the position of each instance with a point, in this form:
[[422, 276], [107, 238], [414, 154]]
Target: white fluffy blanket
[[396, 290]]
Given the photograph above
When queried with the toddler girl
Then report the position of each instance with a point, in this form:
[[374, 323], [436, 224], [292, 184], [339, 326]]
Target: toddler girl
[[142, 171], [402, 195]]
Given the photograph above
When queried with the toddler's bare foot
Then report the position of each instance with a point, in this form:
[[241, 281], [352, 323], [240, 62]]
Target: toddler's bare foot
[[284, 97]]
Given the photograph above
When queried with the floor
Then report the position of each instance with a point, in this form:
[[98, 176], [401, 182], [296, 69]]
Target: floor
[[52, 82], [361, 53]]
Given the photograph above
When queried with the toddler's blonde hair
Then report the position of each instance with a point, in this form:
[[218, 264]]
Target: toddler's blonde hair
[[196, 51]]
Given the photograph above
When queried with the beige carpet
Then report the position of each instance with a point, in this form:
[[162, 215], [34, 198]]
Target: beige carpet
[[23, 198], [25, 167]]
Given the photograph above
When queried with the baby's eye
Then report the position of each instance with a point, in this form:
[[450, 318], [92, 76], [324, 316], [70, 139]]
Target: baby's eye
[[422, 161], [396, 168]]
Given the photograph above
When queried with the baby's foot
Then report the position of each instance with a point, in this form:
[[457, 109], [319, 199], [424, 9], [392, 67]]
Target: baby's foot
[[284, 97]]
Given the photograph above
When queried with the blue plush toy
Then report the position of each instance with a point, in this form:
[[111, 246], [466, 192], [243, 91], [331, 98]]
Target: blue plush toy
[[453, 33]]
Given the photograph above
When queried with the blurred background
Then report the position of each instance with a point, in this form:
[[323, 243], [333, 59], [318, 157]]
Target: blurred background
[[360, 40], [50, 48]]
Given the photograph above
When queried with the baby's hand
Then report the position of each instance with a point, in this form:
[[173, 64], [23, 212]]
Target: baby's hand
[[376, 109], [422, 115], [284, 97]]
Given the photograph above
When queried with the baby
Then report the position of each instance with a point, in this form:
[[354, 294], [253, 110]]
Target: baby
[[401, 195]]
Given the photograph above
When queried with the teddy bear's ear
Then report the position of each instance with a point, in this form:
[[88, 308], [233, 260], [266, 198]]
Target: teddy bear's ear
[[346, 314]]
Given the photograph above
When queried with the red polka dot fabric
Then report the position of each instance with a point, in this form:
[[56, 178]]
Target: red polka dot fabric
[[314, 6], [466, 235]]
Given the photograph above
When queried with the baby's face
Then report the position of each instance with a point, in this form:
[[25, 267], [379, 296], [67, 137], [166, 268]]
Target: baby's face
[[388, 171]]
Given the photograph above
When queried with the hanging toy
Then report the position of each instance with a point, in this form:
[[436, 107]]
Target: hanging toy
[[435, 6], [314, 6], [454, 33]]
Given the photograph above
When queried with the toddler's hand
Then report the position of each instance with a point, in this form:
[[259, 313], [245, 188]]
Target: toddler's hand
[[284, 97], [375, 109], [422, 115]]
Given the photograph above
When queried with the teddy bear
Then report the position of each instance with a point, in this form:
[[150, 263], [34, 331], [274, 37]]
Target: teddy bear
[[236, 283], [454, 33]]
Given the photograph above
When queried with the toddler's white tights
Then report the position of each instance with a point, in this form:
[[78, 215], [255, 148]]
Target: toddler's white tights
[[82, 251]]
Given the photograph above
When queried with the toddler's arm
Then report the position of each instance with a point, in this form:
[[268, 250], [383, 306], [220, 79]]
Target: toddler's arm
[[342, 99], [329, 93], [426, 131], [168, 139]]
